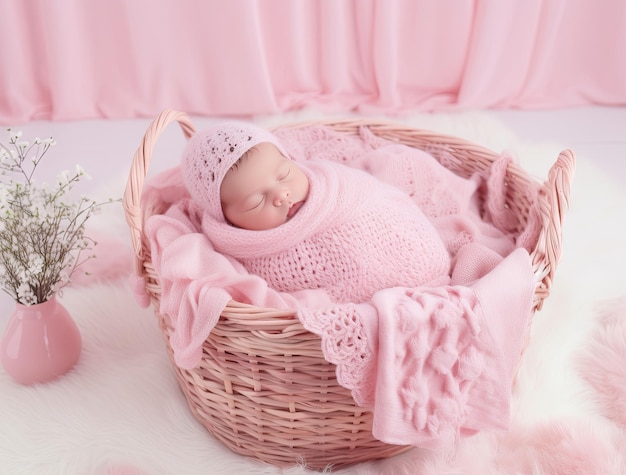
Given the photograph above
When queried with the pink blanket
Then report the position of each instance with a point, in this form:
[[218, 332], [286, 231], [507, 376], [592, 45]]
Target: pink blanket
[[433, 363]]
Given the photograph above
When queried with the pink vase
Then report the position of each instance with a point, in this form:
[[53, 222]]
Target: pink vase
[[40, 342]]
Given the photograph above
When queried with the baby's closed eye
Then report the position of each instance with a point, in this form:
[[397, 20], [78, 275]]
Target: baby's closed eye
[[284, 173], [254, 202]]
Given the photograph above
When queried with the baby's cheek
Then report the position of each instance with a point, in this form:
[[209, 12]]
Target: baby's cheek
[[279, 217], [267, 219]]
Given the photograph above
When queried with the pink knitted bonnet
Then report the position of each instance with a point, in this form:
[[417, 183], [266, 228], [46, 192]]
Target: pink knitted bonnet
[[210, 153]]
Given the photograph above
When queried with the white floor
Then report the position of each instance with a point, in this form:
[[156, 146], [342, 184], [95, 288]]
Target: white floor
[[598, 133]]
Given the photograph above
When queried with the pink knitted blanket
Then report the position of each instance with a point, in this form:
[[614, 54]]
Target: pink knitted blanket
[[432, 362]]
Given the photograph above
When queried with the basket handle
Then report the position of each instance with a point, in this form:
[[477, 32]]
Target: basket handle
[[557, 187], [138, 172]]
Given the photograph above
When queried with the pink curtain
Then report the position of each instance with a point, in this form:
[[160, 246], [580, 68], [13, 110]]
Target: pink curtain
[[77, 59]]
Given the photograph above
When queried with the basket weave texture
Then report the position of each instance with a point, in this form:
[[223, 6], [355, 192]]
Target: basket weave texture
[[263, 387]]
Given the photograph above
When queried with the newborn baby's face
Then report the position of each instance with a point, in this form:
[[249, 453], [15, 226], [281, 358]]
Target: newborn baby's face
[[263, 190]]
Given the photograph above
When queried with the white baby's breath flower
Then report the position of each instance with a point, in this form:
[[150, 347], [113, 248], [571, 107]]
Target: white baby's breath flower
[[63, 178], [14, 135], [64, 278], [79, 171], [26, 295], [35, 265], [42, 236]]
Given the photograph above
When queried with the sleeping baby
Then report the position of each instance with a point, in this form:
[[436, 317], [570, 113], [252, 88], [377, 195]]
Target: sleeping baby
[[305, 223]]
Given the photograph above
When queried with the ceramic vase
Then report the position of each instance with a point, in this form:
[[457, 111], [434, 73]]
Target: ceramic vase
[[40, 342]]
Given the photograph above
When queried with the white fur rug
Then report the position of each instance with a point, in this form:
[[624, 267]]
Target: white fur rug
[[120, 411]]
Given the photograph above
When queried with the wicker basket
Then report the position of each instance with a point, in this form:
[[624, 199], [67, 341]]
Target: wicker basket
[[263, 387]]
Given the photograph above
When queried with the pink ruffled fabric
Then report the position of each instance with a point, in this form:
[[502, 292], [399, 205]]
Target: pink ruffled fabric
[[432, 363]]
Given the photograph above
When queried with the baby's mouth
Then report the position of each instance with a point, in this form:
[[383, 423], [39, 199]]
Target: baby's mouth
[[294, 209]]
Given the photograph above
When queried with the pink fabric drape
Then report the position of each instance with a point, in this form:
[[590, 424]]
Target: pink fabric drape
[[71, 59]]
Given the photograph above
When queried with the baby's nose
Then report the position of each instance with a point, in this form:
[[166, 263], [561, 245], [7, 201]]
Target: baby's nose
[[281, 196]]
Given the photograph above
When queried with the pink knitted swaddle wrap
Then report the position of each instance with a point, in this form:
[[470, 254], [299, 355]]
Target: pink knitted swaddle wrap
[[353, 236]]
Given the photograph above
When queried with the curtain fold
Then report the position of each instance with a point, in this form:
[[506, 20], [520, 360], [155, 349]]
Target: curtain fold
[[72, 59]]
